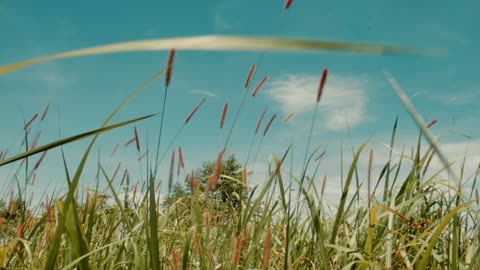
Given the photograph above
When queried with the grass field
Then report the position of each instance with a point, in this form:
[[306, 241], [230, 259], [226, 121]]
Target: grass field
[[421, 221]]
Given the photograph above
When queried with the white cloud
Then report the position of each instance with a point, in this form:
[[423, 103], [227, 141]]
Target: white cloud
[[203, 92], [344, 97]]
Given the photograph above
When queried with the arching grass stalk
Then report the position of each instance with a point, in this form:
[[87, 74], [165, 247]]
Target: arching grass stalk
[[267, 127], [255, 134], [250, 76], [187, 119], [304, 167], [168, 77]]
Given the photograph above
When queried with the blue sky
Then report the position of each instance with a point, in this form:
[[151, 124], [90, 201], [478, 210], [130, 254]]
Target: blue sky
[[83, 91]]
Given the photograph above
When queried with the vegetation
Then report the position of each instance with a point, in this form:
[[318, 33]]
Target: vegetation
[[221, 219]]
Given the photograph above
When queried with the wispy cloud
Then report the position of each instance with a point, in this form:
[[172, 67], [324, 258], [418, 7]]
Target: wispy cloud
[[203, 92], [219, 21], [344, 97], [50, 75]]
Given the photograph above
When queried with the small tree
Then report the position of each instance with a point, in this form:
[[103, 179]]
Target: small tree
[[229, 190], [227, 195]]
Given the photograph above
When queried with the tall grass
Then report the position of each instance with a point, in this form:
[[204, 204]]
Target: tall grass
[[416, 222]]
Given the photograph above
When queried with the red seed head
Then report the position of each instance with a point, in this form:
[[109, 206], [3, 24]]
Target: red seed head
[[45, 112], [321, 155], [30, 122], [168, 75], [249, 76], [180, 157], [259, 85], [21, 230], [267, 247], [288, 3], [190, 115], [224, 114], [137, 141], [217, 170], [288, 117], [116, 170], [269, 123], [170, 177], [176, 259], [432, 123], [124, 175], [40, 160], [179, 166], [322, 84], [159, 184], [236, 253], [115, 150], [33, 179], [260, 120], [129, 142]]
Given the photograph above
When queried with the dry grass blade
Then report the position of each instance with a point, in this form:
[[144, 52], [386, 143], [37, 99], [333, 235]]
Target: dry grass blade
[[420, 122], [234, 43]]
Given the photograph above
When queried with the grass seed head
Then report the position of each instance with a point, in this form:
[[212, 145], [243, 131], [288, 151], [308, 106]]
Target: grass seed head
[[269, 124], [432, 123], [259, 85], [260, 120], [322, 84], [288, 117], [115, 149], [237, 251], [249, 76], [287, 4], [224, 114], [27, 125], [266, 248], [190, 115], [137, 141], [44, 114], [40, 160], [168, 75]]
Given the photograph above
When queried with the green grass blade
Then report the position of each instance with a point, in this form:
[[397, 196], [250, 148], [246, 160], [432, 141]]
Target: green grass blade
[[71, 139], [343, 199]]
